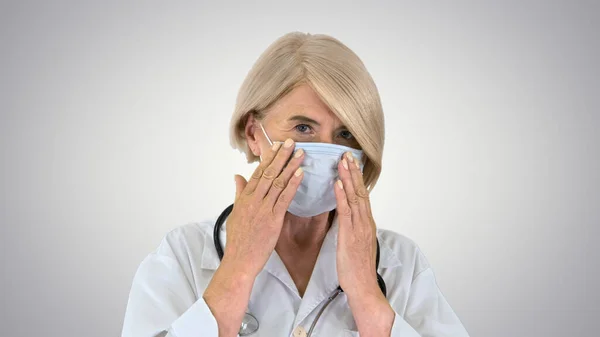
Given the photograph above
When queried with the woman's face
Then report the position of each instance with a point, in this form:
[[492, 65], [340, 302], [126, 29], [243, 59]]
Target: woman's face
[[301, 116]]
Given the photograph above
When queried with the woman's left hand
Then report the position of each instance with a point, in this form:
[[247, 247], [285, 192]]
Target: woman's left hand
[[357, 250], [357, 236]]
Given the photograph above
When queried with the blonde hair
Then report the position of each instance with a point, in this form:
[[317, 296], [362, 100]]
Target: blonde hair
[[334, 72]]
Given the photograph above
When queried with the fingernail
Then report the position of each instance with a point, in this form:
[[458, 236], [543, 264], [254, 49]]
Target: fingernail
[[357, 162], [275, 146], [349, 156], [298, 153], [298, 171], [344, 163], [339, 182], [288, 142]]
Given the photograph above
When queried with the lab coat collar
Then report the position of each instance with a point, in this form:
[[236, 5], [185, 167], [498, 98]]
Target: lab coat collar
[[210, 259]]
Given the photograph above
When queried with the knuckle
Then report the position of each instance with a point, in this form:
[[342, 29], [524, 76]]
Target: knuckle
[[353, 199], [283, 198], [257, 173], [362, 193], [279, 183], [269, 173], [346, 211]]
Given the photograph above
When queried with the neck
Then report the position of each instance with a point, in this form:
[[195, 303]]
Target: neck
[[303, 234]]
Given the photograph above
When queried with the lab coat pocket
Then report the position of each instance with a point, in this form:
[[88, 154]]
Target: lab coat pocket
[[350, 333]]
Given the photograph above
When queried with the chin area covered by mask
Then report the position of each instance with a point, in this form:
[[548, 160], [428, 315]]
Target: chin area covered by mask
[[316, 195]]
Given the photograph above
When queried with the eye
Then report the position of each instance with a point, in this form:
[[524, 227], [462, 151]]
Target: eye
[[346, 134], [303, 128]]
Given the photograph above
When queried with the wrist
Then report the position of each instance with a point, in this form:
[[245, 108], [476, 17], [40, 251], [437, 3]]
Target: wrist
[[372, 313], [359, 301], [242, 263], [229, 286], [365, 287], [227, 297], [240, 270]]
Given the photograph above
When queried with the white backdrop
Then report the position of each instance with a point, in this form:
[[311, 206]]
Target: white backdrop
[[113, 131]]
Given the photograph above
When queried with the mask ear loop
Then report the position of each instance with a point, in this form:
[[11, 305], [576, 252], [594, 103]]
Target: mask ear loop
[[265, 133]]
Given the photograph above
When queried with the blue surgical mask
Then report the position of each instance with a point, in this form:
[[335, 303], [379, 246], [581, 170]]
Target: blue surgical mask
[[315, 195]]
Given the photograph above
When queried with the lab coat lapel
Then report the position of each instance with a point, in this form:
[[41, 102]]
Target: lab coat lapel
[[210, 257], [324, 278], [276, 267]]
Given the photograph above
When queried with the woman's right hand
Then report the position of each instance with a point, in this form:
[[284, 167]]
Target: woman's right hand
[[254, 225], [253, 228]]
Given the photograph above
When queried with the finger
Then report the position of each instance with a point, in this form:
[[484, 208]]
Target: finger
[[345, 177], [240, 184], [283, 179], [287, 195], [274, 169], [258, 173], [359, 186], [342, 208]]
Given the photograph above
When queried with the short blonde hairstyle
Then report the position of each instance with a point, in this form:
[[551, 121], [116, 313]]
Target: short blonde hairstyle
[[334, 72]]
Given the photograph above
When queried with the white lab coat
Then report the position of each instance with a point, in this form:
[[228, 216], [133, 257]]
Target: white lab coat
[[166, 295]]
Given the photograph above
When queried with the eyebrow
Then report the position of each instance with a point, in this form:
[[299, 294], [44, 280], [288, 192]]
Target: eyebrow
[[305, 119]]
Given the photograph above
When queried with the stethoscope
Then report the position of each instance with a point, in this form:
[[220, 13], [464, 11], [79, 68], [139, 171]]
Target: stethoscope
[[249, 322]]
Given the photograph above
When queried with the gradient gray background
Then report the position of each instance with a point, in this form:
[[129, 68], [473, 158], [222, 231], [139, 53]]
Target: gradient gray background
[[114, 130]]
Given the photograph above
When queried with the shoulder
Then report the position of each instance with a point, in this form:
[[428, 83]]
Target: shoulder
[[177, 264], [398, 249], [188, 239]]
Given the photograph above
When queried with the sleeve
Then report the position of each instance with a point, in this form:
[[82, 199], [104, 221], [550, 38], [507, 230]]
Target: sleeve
[[428, 314], [162, 303]]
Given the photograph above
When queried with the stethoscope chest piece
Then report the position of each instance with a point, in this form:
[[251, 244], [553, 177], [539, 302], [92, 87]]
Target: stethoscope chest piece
[[249, 325]]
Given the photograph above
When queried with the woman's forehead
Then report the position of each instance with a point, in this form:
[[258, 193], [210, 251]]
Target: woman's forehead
[[302, 104]]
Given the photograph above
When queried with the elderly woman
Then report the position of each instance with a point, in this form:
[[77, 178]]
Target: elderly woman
[[299, 253]]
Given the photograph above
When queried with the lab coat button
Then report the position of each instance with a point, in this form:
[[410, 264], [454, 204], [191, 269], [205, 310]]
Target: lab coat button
[[299, 332]]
